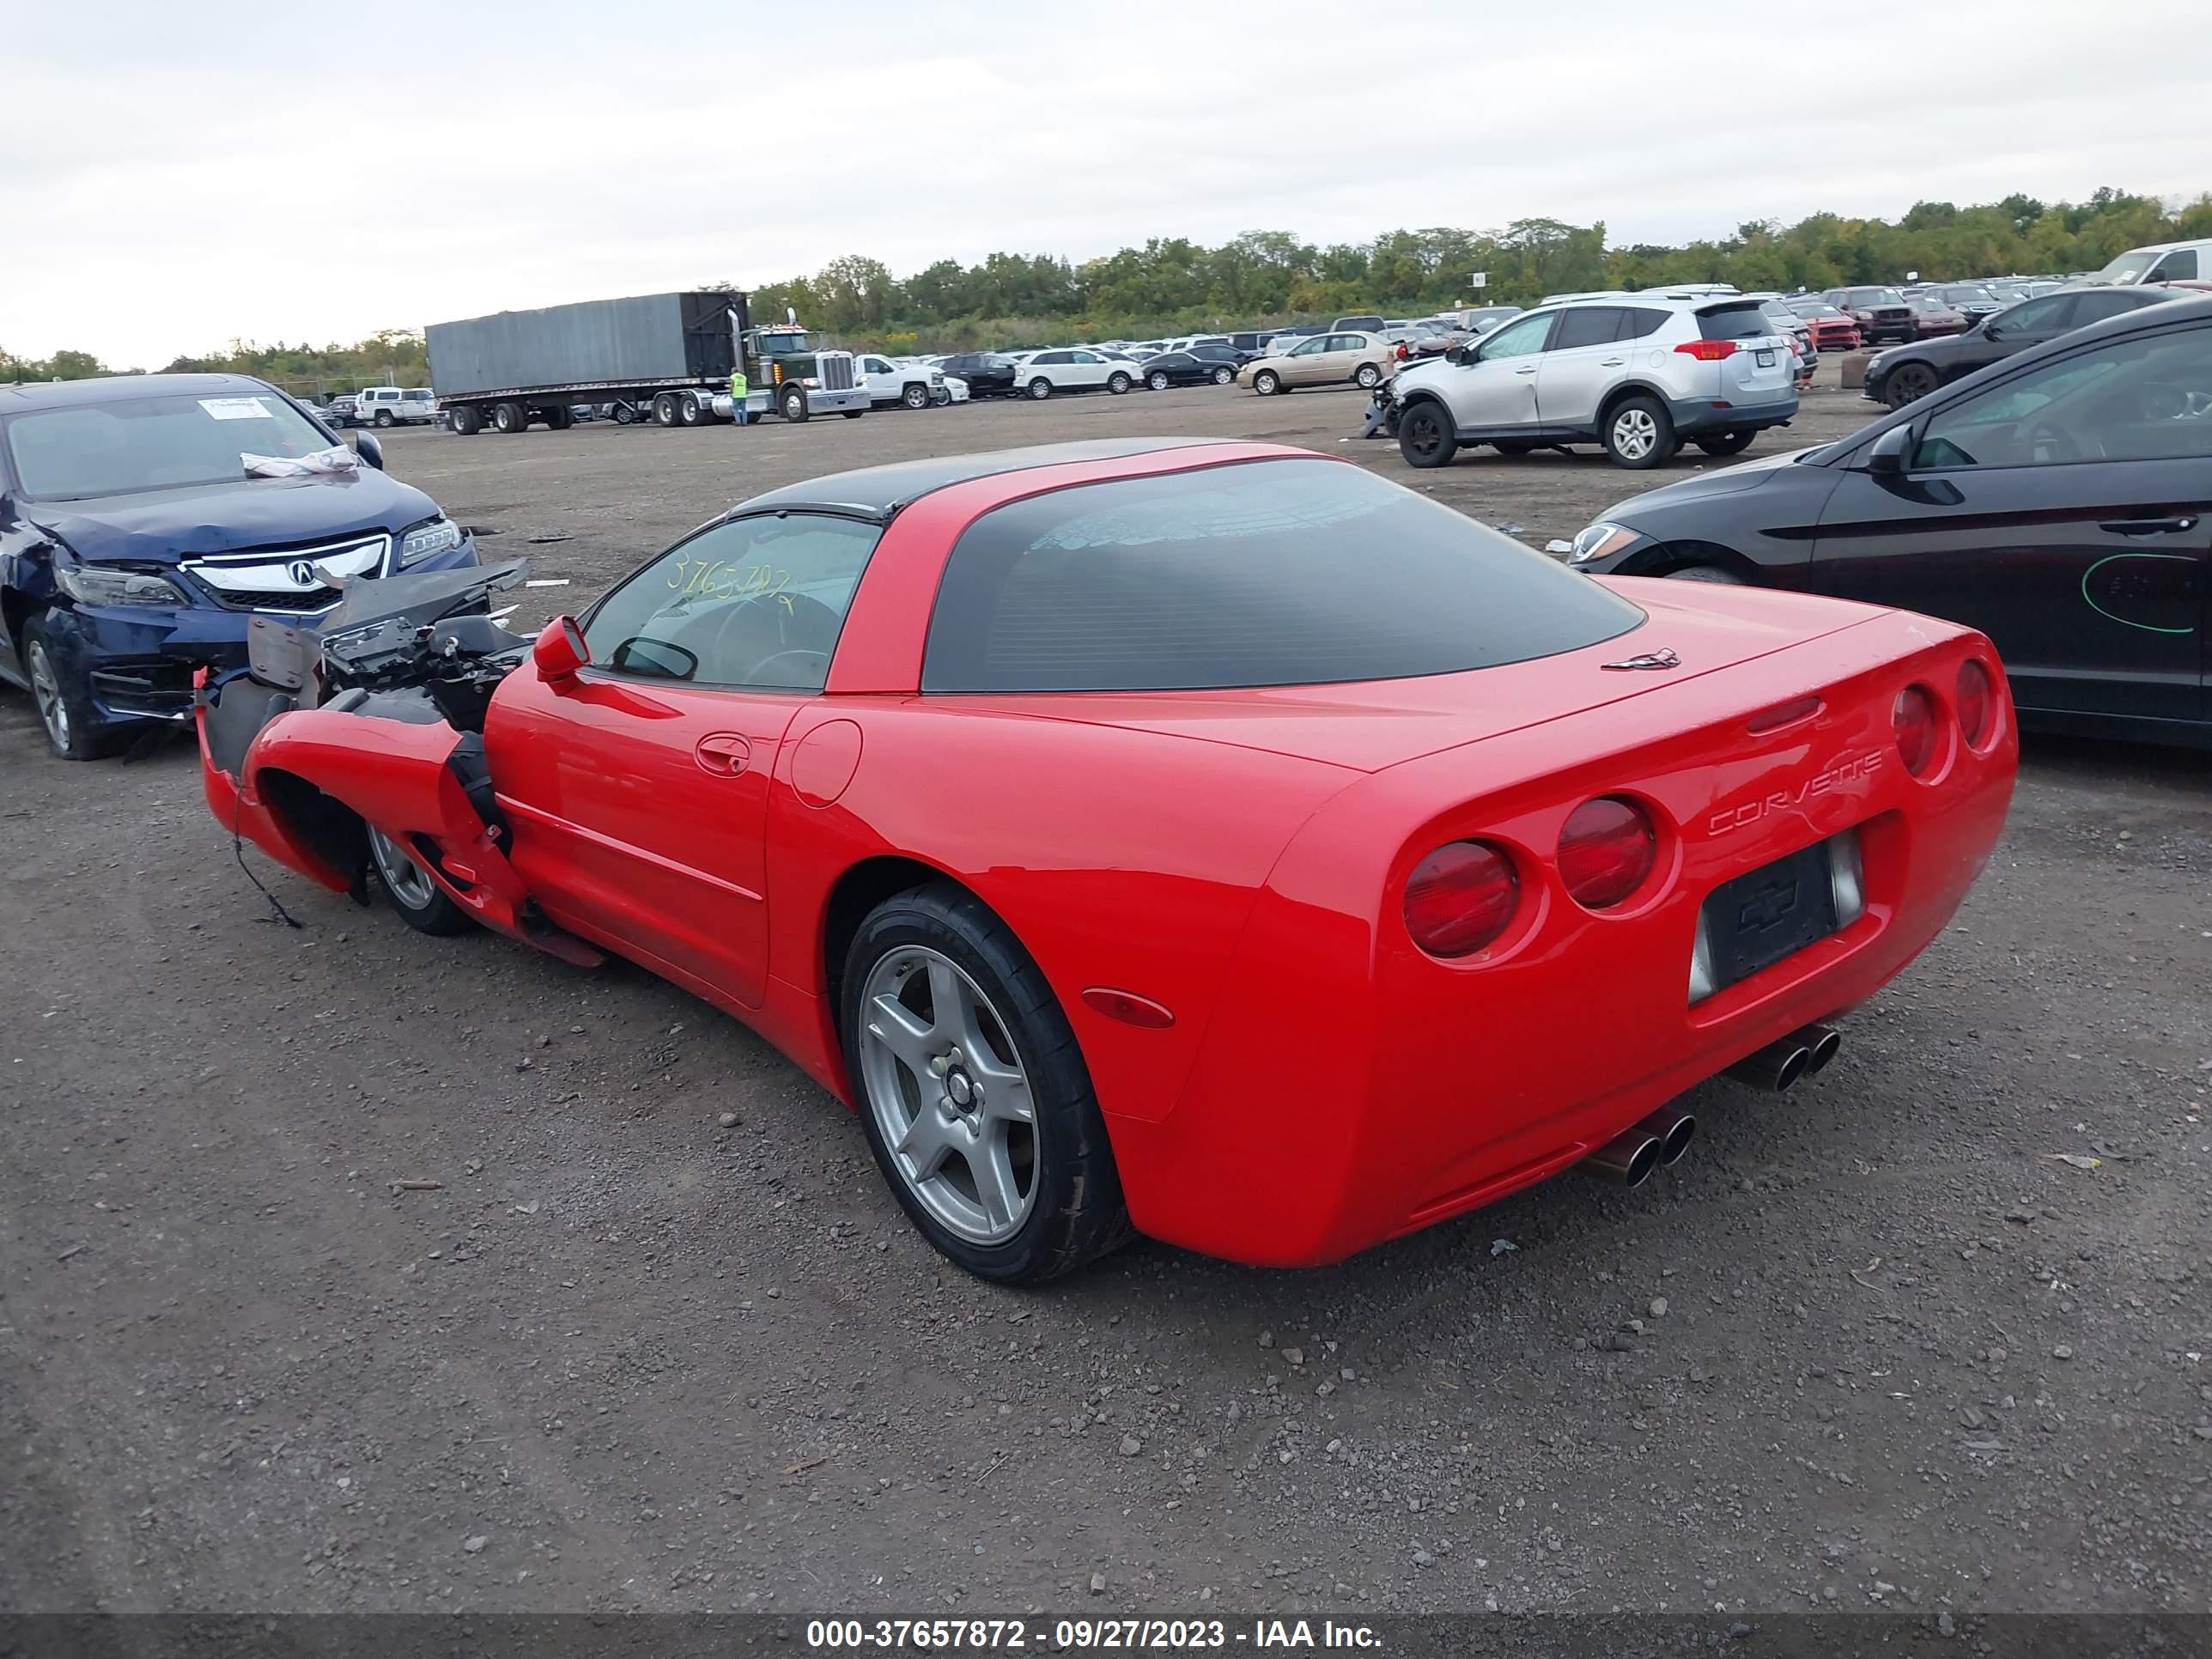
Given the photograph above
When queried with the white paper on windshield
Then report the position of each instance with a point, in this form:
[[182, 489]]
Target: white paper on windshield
[[237, 408]]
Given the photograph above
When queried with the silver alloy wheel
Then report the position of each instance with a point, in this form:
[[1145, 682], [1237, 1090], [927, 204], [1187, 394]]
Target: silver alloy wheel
[[948, 1094], [401, 872], [1158, 382], [46, 692], [1635, 434]]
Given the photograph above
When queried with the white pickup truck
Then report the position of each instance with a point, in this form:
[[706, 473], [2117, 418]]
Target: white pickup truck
[[911, 386]]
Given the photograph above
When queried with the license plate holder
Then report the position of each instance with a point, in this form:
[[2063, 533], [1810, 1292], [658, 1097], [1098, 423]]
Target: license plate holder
[[1777, 910], [1764, 359]]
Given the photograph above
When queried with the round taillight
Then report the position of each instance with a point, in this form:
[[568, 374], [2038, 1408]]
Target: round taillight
[[1461, 898], [1606, 850], [1975, 693], [1913, 720]]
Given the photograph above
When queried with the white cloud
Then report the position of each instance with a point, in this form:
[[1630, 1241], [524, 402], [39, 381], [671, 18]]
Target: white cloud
[[173, 177]]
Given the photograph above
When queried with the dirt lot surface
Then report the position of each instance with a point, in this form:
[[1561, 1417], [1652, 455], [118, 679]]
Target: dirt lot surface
[[1872, 1345]]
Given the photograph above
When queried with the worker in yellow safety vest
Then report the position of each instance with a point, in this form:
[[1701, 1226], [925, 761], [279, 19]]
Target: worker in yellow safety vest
[[737, 393]]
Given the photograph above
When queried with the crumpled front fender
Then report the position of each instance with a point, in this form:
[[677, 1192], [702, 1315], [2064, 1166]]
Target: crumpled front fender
[[391, 775]]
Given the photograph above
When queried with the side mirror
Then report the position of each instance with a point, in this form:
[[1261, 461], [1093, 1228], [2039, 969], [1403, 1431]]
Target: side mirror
[[560, 652], [1891, 451], [1990, 331], [1461, 355], [370, 451]]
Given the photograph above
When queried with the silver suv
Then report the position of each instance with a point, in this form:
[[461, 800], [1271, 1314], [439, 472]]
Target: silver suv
[[1638, 374]]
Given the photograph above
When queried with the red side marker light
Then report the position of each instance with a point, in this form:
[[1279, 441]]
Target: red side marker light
[[1127, 1007]]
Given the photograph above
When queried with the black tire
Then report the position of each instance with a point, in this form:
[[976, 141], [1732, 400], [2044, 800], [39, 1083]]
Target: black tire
[[467, 421], [65, 705], [1158, 380], [1425, 435], [382, 417], [1907, 383], [915, 395], [559, 418], [1367, 377], [1117, 383], [792, 404], [1077, 1214], [1734, 441], [1040, 388], [692, 411], [1706, 572], [1267, 383], [1515, 447], [1639, 433], [624, 415], [1223, 375], [408, 886], [940, 398], [509, 417]]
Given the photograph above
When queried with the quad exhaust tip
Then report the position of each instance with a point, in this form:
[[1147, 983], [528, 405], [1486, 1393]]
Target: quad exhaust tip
[[1629, 1159], [1800, 1054]]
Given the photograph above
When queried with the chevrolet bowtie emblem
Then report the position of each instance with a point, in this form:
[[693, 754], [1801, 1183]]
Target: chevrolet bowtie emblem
[[1663, 657]]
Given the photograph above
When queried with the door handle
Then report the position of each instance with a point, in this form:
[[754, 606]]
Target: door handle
[[723, 753], [2148, 526], [1612, 362], [1530, 370]]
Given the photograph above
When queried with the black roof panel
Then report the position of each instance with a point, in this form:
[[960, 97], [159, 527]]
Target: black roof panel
[[881, 491]]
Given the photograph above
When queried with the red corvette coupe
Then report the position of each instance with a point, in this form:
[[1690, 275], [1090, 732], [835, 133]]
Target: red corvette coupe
[[1214, 841]]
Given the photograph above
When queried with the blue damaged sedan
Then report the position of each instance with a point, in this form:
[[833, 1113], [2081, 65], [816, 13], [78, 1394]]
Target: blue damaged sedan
[[145, 519]]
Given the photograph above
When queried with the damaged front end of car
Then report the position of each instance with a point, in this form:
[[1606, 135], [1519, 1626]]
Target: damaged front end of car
[[368, 726]]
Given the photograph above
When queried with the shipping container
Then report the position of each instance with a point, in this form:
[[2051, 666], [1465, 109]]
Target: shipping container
[[666, 357]]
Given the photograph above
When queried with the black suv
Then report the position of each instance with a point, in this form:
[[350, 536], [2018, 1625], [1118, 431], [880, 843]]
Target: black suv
[[2060, 501]]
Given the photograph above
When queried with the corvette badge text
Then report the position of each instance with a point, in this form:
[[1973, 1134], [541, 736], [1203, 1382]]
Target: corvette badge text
[[1850, 769]]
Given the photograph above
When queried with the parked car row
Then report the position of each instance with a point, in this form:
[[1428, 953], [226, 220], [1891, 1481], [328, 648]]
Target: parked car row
[[2050, 486]]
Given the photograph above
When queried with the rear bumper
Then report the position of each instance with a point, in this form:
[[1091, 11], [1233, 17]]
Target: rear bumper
[[1350, 1089], [1693, 415]]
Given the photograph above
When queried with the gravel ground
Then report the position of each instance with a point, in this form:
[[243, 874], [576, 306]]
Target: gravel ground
[[1925, 1334]]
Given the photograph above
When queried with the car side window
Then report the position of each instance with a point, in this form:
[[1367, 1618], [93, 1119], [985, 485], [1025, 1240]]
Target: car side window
[[1521, 338], [2179, 266], [752, 602], [1588, 325], [1313, 347], [2046, 316], [2136, 399]]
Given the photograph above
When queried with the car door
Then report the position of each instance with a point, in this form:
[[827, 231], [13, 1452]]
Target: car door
[[2010, 331], [2065, 510], [1087, 369], [638, 792], [1498, 390], [1584, 361], [1304, 364]]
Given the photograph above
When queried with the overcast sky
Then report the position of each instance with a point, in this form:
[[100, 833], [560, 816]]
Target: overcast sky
[[175, 176]]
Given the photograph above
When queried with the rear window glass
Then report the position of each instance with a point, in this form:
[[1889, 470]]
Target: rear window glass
[[1266, 572], [1740, 322]]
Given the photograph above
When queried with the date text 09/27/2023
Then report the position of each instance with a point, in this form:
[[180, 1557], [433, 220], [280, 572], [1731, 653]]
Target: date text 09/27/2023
[[941, 1635]]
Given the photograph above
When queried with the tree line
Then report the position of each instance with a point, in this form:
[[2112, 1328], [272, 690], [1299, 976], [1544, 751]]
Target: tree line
[[1263, 277]]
